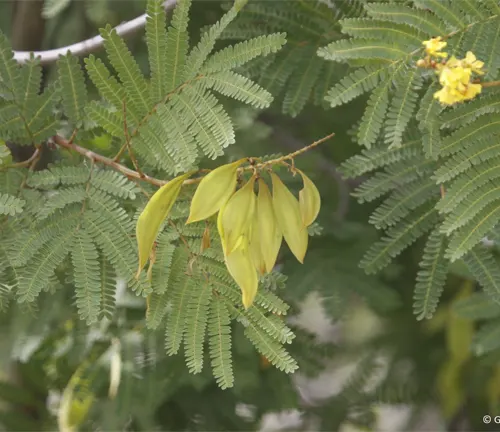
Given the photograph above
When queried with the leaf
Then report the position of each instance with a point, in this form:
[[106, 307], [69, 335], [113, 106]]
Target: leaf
[[361, 48], [196, 324], [155, 212], [431, 276], [200, 52], [219, 341], [10, 205], [484, 268], [241, 53], [156, 38], [73, 88], [477, 307], [138, 97], [86, 274], [213, 191], [240, 88]]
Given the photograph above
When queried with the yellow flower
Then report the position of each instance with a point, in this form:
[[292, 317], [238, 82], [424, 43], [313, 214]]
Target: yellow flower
[[454, 76], [471, 62], [434, 45], [448, 96], [472, 91]]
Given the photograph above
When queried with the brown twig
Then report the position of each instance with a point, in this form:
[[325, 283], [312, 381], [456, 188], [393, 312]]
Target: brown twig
[[490, 84], [135, 175], [291, 156], [131, 174], [34, 156], [32, 165], [127, 141]]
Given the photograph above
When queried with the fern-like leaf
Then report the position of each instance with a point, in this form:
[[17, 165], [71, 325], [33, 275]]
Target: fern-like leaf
[[180, 291], [402, 107], [421, 20], [73, 88], [240, 88], [196, 323], [177, 45], [478, 306], [484, 268], [465, 238], [355, 84], [10, 205], [86, 276], [399, 237], [270, 349], [219, 339], [156, 37], [138, 97], [431, 276], [241, 53], [361, 49], [201, 51]]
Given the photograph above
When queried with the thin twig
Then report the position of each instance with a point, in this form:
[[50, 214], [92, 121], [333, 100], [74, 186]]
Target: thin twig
[[127, 141], [135, 175], [32, 166], [291, 156], [90, 45], [60, 141], [34, 156], [490, 84]]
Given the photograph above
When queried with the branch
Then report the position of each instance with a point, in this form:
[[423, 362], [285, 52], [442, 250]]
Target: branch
[[131, 174], [137, 175], [90, 45]]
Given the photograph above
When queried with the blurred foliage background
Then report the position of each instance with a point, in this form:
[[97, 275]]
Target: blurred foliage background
[[365, 361]]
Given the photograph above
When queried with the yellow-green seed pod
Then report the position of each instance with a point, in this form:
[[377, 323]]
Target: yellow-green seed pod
[[213, 191], [241, 268], [309, 201], [154, 214], [287, 211], [220, 229], [238, 214], [255, 245], [268, 230]]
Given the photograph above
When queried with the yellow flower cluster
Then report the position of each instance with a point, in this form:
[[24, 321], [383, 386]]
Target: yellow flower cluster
[[434, 46], [251, 227], [455, 75]]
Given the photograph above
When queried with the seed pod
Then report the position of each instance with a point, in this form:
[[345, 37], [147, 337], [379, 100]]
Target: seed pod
[[309, 201], [154, 214], [237, 215], [241, 268], [220, 229], [255, 246], [268, 230], [213, 191], [287, 211]]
